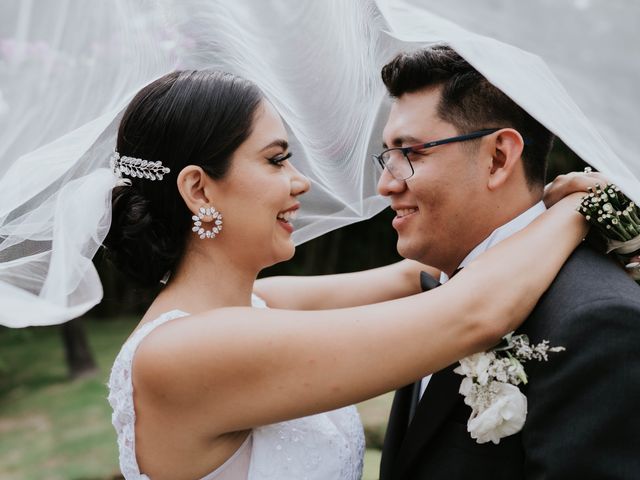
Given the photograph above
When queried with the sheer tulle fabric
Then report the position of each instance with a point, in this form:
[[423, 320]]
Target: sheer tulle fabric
[[69, 69]]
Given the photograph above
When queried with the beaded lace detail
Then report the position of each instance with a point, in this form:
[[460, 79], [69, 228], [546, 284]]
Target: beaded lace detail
[[327, 446]]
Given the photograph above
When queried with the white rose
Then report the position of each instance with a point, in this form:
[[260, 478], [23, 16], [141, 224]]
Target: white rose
[[505, 416]]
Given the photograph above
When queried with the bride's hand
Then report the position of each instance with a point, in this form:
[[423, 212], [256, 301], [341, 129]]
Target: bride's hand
[[564, 185], [632, 267]]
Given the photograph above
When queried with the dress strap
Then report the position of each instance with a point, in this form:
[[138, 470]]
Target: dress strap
[[121, 395]]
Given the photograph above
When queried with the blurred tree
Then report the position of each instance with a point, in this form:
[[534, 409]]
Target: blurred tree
[[360, 246], [80, 361], [563, 160]]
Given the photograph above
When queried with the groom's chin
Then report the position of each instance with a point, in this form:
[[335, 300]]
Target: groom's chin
[[420, 253], [408, 250]]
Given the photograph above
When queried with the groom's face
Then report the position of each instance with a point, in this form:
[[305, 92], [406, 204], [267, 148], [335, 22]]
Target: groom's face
[[439, 207]]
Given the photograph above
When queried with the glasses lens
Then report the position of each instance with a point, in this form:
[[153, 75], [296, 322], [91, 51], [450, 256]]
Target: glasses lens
[[378, 163], [397, 164]]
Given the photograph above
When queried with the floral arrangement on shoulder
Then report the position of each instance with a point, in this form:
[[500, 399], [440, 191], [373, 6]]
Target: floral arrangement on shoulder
[[617, 219], [490, 386]]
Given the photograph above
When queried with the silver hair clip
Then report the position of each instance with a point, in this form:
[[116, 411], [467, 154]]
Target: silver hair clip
[[137, 167], [123, 182]]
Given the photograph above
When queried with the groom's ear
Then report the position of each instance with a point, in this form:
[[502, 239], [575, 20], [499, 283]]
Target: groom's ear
[[506, 157]]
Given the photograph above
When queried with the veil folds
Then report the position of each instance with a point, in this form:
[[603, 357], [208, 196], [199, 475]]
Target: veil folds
[[68, 69]]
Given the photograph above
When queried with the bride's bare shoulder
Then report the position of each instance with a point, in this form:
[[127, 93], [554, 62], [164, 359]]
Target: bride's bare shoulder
[[178, 352]]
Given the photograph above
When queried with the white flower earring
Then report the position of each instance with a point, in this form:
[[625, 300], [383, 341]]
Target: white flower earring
[[207, 214]]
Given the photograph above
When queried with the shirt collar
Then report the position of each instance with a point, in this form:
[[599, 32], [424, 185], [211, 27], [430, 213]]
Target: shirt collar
[[500, 233]]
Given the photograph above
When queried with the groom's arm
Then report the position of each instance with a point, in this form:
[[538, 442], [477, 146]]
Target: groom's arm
[[583, 419], [323, 292]]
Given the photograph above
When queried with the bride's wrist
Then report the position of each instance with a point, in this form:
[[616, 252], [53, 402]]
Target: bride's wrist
[[568, 206]]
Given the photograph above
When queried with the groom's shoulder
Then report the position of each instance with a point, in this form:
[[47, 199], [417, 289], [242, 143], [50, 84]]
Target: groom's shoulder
[[588, 280], [590, 275]]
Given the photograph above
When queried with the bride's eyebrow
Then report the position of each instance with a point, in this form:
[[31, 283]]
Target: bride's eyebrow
[[277, 143]]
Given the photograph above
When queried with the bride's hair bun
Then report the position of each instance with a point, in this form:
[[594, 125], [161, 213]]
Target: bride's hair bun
[[184, 118], [137, 243]]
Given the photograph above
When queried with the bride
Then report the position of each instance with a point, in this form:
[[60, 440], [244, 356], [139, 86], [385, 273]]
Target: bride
[[213, 385]]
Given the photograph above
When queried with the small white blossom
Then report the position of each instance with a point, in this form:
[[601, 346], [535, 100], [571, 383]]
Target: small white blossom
[[615, 217], [516, 372], [537, 352], [476, 366]]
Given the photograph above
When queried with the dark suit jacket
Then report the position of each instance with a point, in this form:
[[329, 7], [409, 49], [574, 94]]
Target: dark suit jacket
[[583, 417]]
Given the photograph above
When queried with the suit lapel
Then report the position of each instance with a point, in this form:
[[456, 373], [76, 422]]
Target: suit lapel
[[411, 426], [396, 429], [405, 404], [435, 406]]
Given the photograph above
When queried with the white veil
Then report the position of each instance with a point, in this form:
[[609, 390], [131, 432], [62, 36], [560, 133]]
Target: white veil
[[68, 69]]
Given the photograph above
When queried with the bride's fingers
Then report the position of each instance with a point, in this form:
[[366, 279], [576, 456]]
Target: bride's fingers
[[633, 267], [633, 262], [566, 184]]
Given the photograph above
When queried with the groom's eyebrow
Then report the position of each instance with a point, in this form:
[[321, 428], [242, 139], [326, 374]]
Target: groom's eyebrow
[[399, 141], [277, 143]]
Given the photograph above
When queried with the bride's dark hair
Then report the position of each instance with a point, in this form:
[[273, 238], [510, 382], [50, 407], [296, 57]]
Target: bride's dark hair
[[183, 118]]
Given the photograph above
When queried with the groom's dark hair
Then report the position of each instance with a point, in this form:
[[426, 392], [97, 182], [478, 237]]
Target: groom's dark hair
[[468, 101]]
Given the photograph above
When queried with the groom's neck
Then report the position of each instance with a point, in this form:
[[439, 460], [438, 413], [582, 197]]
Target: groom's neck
[[496, 216]]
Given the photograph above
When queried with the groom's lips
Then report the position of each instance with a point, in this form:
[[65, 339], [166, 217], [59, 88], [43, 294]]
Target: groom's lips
[[403, 215]]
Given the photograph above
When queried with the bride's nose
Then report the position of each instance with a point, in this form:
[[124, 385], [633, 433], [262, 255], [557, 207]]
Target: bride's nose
[[299, 183]]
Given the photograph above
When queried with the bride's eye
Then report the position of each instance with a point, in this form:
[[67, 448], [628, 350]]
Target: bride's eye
[[277, 160]]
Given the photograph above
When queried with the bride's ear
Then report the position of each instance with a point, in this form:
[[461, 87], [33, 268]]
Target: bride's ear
[[196, 187], [506, 157]]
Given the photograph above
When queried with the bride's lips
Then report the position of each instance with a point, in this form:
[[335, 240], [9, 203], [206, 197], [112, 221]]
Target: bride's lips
[[403, 216], [285, 217]]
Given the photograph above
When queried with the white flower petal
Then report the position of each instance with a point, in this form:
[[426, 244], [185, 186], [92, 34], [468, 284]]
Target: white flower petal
[[505, 416]]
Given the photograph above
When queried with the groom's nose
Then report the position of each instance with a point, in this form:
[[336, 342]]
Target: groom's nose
[[387, 185]]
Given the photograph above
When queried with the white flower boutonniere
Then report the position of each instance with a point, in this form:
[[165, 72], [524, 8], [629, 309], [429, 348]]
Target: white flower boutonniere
[[499, 408]]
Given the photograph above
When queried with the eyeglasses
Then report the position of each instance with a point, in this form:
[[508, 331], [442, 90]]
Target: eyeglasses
[[400, 167]]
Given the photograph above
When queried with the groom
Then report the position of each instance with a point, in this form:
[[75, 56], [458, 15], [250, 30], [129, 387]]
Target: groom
[[454, 200]]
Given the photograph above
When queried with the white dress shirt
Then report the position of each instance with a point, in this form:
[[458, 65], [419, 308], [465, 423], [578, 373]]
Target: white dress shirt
[[496, 237]]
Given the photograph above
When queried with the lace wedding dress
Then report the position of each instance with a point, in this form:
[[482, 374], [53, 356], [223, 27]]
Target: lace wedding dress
[[327, 446]]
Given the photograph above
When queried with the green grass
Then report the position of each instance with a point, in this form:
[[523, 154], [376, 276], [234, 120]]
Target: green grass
[[371, 464], [51, 427], [55, 429]]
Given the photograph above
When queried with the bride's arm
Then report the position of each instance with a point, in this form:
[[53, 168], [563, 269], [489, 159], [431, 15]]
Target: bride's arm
[[323, 292], [398, 280], [241, 367]]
